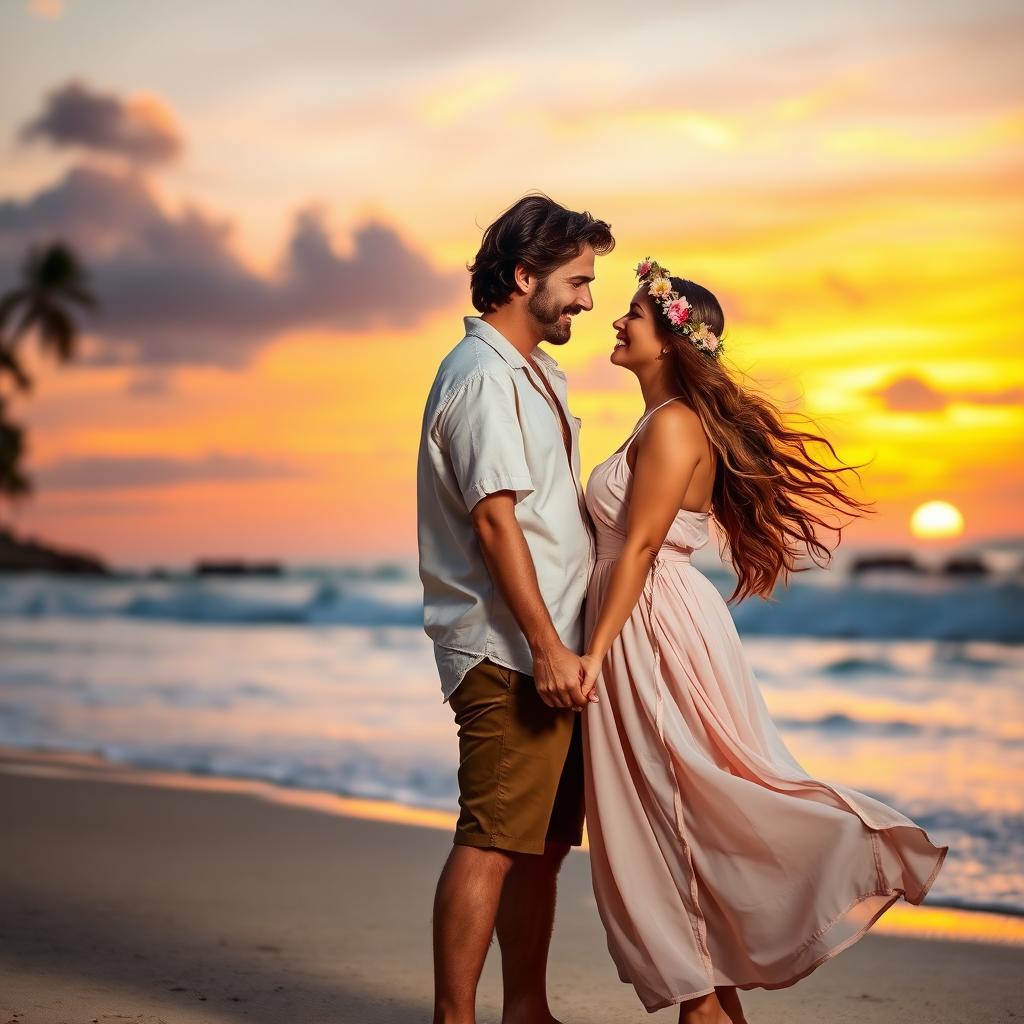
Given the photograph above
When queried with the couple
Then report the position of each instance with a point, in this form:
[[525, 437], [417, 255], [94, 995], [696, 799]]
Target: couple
[[590, 665]]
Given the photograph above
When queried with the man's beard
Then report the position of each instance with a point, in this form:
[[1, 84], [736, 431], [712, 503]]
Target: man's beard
[[547, 312]]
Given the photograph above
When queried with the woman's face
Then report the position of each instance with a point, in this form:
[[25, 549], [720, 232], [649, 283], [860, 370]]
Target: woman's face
[[638, 343]]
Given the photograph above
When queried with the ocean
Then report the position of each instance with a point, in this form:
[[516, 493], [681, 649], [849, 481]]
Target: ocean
[[909, 687]]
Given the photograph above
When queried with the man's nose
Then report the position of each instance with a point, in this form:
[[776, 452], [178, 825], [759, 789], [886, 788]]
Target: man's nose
[[586, 300]]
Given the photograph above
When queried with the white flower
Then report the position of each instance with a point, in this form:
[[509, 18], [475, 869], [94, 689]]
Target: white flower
[[704, 338], [660, 287]]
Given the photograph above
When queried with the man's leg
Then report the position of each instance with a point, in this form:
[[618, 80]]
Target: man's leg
[[519, 791], [525, 920], [465, 907]]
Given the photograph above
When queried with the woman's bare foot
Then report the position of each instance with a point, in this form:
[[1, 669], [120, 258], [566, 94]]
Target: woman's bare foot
[[729, 997], [703, 1010]]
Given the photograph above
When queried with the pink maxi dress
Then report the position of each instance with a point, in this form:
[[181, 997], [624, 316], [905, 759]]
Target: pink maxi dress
[[716, 859]]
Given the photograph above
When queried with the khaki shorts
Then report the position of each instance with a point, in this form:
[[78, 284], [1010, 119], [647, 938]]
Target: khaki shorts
[[520, 763]]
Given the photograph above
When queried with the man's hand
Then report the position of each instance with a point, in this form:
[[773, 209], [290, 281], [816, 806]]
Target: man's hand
[[558, 674]]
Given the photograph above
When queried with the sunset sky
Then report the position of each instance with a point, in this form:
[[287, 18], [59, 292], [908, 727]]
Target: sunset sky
[[277, 203]]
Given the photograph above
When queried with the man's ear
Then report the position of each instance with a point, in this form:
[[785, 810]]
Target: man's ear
[[524, 279]]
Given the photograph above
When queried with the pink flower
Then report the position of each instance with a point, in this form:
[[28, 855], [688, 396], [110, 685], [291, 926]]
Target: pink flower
[[678, 312], [643, 268]]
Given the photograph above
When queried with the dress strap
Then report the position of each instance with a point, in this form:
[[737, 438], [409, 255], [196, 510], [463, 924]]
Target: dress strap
[[643, 422]]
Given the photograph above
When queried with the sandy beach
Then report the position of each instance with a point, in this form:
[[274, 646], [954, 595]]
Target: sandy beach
[[127, 897]]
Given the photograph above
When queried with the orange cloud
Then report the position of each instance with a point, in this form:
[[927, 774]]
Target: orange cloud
[[142, 128], [912, 394], [51, 10]]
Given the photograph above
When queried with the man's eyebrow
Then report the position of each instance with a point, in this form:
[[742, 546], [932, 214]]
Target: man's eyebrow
[[581, 277]]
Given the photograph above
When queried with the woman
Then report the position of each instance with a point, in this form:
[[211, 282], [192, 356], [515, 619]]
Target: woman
[[718, 862]]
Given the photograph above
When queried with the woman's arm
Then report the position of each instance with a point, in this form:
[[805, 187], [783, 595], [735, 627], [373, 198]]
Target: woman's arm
[[668, 451]]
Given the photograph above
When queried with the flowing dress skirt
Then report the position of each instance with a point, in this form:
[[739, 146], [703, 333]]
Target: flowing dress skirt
[[716, 859]]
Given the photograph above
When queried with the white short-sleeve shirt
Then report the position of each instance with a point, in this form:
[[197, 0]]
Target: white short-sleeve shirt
[[491, 425]]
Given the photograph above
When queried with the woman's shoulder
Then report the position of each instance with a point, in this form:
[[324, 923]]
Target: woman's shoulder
[[673, 434], [673, 424]]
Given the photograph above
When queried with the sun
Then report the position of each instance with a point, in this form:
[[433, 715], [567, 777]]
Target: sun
[[936, 519]]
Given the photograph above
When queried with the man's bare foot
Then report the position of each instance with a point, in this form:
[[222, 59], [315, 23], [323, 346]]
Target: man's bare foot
[[703, 1010], [729, 997], [528, 1015]]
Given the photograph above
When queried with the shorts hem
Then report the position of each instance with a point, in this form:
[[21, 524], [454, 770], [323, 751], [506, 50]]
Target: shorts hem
[[510, 843]]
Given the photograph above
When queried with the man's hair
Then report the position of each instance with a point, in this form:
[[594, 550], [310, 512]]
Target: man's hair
[[539, 234]]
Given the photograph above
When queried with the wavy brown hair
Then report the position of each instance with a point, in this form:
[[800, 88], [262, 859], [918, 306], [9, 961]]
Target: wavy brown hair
[[770, 492], [538, 233]]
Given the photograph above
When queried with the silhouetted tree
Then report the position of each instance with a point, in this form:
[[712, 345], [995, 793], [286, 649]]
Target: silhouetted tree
[[53, 287], [13, 482]]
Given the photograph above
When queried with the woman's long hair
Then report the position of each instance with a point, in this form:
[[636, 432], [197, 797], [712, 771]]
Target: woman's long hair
[[770, 492]]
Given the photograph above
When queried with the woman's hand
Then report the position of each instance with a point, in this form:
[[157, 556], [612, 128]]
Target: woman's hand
[[591, 670]]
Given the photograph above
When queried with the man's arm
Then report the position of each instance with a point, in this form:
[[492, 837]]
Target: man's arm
[[556, 669], [480, 429]]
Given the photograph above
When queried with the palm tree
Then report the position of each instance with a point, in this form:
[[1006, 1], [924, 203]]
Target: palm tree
[[53, 282]]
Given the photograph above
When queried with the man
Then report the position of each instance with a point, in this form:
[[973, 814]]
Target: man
[[505, 554]]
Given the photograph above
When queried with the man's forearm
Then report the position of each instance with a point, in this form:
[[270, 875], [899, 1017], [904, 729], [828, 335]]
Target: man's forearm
[[510, 564]]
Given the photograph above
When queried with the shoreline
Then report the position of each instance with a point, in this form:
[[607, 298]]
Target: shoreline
[[941, 921]]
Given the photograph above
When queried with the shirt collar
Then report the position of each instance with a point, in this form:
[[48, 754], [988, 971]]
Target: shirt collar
[[481, 329]]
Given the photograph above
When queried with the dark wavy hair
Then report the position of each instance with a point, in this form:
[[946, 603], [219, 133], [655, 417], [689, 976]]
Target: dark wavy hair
[[537, 233], [770, 493]]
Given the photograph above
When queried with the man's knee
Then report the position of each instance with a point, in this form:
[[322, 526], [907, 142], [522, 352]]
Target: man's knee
[[481, 862]]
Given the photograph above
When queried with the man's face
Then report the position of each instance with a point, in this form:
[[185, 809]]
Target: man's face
[[561, 295]]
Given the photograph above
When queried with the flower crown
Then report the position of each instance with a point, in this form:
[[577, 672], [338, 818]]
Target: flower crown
[[676, 309]]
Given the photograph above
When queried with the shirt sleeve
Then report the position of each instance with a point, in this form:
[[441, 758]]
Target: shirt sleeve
[[480, 430]]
